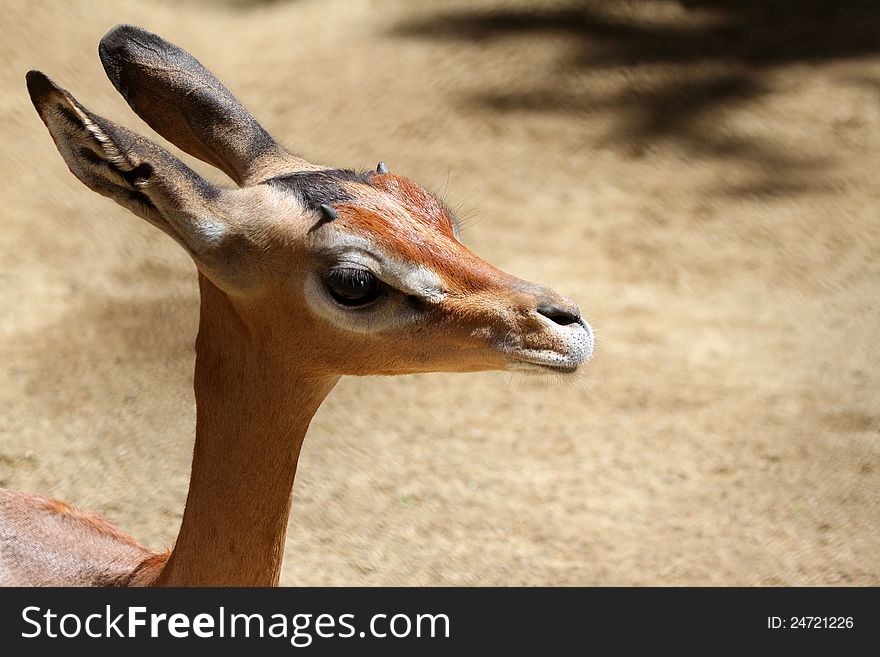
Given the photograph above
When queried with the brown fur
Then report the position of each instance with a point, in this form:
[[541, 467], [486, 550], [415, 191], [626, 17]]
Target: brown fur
[[64, 546], [266, 355]]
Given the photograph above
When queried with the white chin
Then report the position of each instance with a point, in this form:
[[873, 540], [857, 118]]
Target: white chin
[[532, 367]]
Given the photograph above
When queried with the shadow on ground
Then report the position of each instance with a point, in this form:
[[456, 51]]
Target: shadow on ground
[[684, 62]]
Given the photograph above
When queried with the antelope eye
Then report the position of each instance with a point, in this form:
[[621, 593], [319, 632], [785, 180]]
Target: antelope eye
[[353, 287]]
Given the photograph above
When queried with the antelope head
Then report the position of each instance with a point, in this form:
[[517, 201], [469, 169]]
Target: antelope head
[[333, 271]]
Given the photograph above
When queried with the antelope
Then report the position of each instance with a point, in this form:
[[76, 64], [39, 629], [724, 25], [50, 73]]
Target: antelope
[[306, 273]]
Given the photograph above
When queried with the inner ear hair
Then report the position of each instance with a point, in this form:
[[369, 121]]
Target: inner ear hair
[[129, 168], [89, 151]]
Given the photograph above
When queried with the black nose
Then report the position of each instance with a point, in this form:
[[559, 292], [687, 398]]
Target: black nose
[[563, 316]]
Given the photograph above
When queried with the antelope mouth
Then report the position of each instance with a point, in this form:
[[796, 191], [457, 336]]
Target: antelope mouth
[[544, 361], [576, 349], [536, 366]]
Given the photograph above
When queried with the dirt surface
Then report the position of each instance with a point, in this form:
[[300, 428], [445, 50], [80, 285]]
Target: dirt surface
[[702, 179]]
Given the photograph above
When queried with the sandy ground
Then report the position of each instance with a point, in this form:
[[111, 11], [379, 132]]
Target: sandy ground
[[703, 181]]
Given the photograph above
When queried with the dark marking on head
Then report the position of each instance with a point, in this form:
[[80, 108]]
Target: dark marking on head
[[329, 213], [317, 188], [381, 168]]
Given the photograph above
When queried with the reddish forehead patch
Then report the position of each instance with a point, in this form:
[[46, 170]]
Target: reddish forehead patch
[[420, 239], [411, 224], [421, 205], [405, 236]]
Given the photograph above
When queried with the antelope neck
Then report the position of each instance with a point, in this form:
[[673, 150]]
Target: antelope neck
[[251, 417]]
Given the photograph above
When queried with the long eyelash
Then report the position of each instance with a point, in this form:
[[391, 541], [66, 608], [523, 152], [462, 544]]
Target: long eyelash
[[350, 275]]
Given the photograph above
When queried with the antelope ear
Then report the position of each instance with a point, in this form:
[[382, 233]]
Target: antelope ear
[[136, 173], [182, 101]]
